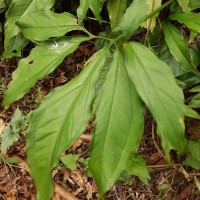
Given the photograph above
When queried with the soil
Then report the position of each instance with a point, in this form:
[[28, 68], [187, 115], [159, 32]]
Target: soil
[[175, 182]]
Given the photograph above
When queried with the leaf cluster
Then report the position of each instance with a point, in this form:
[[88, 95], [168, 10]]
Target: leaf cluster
[[116, 84]]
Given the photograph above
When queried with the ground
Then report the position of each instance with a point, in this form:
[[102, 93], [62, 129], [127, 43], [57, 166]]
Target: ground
[[167, 182]]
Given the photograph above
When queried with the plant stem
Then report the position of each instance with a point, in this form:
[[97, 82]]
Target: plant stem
[[94, 36], [158, 9]]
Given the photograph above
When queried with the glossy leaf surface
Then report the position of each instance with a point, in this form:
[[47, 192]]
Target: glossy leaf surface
[[178, 46], [17, 9], [157, 87], [118, 126], [53, 127], [133, 17], [116, 10], [43, 25], [191, 20], [42, 60]]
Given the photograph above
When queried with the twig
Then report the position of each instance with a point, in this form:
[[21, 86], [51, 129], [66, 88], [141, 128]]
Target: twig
[[58, 189], [164, 166], [64, 193], [153, 138], [149, 25], [85, 137], [158, 9]]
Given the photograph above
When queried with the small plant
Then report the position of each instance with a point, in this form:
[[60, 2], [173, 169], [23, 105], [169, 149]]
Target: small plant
[[11, 133], [114, 86]]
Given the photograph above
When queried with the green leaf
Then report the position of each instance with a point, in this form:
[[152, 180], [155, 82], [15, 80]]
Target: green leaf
[[137, 166], [12, 160], [54, 126], [17, 42], [70, 161], [133, 17], [191, 20], [95, 6], [195, 89], [42, 60], [2, 6], [189, 112], [194, 4], [118, 126], [82, 9], [189, 79], [194, 103], [194, 159], [116, 10], [17, 9], [166, 56], [43, 25], [8, 2], [157, 87], [194, 53], [178, 46], [192, 36], [184, 5]]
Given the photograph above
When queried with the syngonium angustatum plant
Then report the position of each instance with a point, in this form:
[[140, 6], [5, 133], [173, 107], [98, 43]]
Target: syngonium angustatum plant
[[116, 84]]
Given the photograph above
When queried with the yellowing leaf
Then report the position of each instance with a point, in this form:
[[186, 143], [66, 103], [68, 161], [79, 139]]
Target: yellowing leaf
[[150, 23]]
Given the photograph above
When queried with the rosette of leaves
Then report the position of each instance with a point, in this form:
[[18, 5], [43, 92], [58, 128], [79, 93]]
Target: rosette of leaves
[[133, 76]]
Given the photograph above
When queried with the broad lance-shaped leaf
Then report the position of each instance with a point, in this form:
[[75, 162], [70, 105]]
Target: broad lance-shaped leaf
[[59, 121], [42, 60], [116, 10], [184, 5], [83, 8], [17, 9], [178, 46], [133, 17], [157, 87], [191, 20], [42, 25], [118, 126], [96, 6]]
